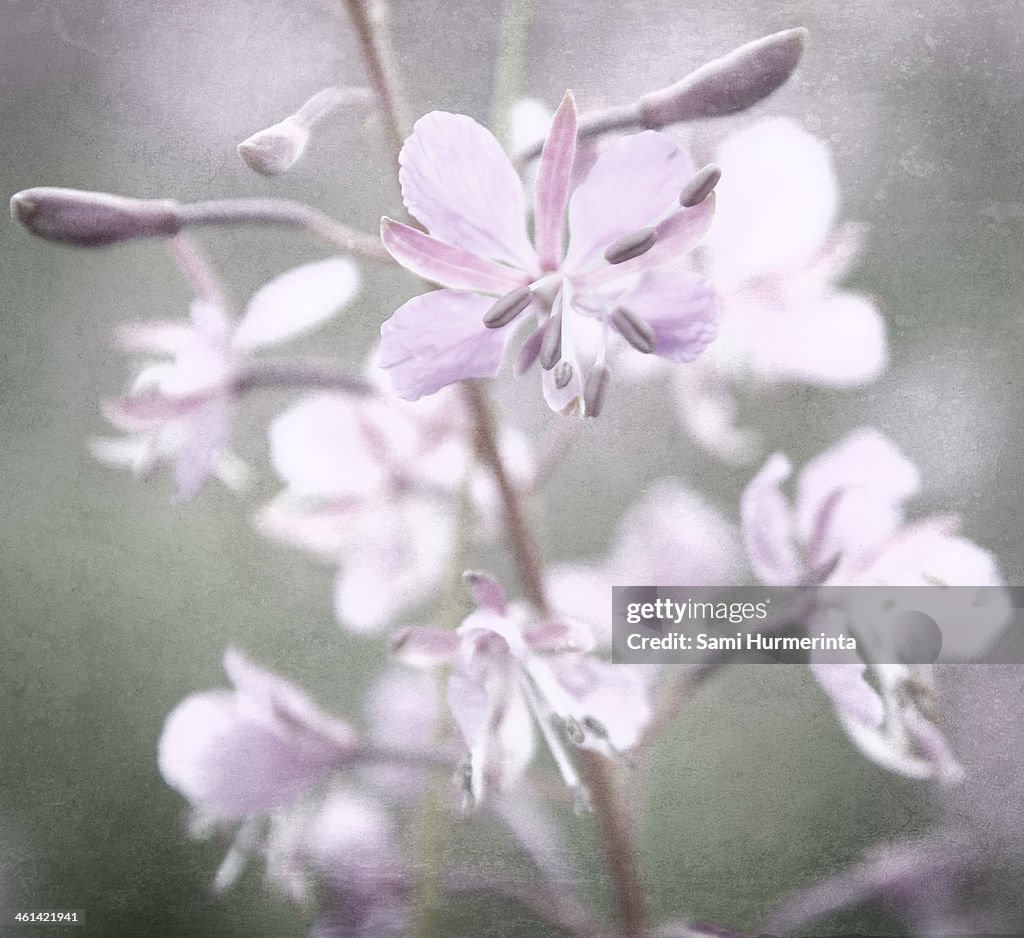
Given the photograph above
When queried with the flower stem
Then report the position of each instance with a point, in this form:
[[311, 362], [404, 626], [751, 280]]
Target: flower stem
[[616, 832], [367, 18], [517, 528], [616, 829], [284, 212]]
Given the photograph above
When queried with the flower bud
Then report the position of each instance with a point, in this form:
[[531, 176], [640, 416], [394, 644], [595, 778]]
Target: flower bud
[[93, 219], [728, 84], [276, 149]]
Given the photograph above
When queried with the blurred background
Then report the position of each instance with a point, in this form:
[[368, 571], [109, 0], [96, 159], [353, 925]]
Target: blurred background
[[115, 604]]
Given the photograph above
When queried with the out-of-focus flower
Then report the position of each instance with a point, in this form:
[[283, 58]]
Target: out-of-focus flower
[[349, 846], [669, 537], [847, 527], [373, 485], [920, 882], [250, 750], [179, 410], [627, 230], [776, 259], [509, 671]]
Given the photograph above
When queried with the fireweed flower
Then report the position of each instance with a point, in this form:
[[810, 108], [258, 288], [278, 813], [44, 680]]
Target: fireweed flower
[[179, 411], [250, 750], [776, 258], [627, 228], [247, 757], [847, 527], [372, 485], [510, 672]]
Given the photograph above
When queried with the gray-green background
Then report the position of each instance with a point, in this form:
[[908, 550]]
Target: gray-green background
[[115, 605]]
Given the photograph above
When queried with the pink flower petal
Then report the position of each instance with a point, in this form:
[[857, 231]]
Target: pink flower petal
[[768, 525], [584, 593], [680, 307], [632, 182], [678, 234], [352, 841], [863, 460], [252, 750], [297, 302], [437, 339], [458, 182], [673, 537], [159, 337], [321, 447], [487, 592], [776, 202], [553, 178], [396, 557], [425, 647], [835, 341], [445, 264], [205, 435], [854, 699], [307, 524], [616, 695]]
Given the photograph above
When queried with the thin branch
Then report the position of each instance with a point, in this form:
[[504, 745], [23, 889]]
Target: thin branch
[[285, 212], [367, 18]]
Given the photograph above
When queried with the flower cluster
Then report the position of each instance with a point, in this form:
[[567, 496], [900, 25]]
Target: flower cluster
[[618, 249]]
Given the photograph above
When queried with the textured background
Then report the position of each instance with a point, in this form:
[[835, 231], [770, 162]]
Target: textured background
[[115, 605]]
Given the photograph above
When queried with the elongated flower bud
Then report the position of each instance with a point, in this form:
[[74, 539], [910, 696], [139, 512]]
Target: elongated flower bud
[[93, 219], [729, 84], [276, 149]]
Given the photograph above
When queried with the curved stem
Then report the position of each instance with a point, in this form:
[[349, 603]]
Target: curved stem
[[284, 212]]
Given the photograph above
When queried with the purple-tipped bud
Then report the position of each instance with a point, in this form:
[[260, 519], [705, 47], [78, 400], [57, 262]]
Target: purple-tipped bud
[[551, 344], [508, 307], [93, 219], [595, 389], [729, 84], [563, 375], [630, 246], [276, 149], [636, 331], [700, 185]]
